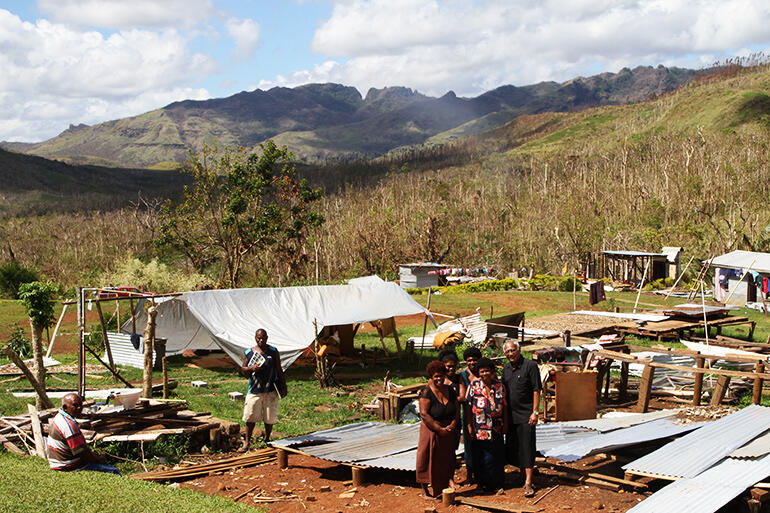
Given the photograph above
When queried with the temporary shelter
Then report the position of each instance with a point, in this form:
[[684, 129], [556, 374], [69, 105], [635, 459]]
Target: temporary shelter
[[227, 319], [739, 275]]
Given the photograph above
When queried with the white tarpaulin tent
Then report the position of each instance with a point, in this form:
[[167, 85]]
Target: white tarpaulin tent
[[227, 319]]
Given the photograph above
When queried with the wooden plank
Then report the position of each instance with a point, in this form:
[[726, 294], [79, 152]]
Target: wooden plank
[[716, 372], [11, 447], [37, 431], [595, 475], [39, 387], [645, 388], [759, 368], [508, 508], [698, 389], [719, 391]]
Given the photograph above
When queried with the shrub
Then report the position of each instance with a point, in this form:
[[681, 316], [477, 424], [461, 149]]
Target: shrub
[[154, 276], [568, 283], [12, 275], [479, 286], [19, 342]]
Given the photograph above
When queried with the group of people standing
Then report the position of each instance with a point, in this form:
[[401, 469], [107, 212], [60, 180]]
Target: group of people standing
[[495, 417]]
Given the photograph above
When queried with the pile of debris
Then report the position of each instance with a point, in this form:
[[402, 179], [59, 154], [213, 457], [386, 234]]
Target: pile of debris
[[148, 421]]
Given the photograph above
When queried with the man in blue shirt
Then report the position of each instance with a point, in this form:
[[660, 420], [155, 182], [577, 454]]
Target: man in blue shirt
[[267, 385]]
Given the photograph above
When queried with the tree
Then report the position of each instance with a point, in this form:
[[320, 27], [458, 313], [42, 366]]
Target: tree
[[38, 299], [240, 203]]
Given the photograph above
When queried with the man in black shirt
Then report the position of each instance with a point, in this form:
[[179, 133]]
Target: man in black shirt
[[521, 378]]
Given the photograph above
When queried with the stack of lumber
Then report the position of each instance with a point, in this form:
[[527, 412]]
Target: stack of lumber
[[251, 459], [391, 402], [147, 422]]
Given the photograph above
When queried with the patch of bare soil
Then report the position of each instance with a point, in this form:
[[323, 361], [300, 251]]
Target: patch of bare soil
[[310, 484]]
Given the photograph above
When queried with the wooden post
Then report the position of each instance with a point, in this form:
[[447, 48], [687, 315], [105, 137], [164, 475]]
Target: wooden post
[[37, 431], [623, 386], [55, 331], [448, 496], [567, 337], [133, 316], [698, 389], [28, 374], [645, 389], [149, 343], [81, 343], [424, 330], [283, 458], [757, 396], [719, 391], [160, 354], [359, 476], [641, 283], [104, 335], [395, 335]]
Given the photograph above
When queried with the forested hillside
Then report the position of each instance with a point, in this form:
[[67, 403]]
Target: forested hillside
[[686, 169]]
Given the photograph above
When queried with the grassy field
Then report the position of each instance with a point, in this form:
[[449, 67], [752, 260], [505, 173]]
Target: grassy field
[[28, 486], [307, 408]]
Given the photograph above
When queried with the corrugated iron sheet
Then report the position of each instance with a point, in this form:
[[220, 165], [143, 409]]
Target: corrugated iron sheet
[[374, 444], [708, 491], [754, 449], [554, 434], [123, 352], [704, 447], [654, 430], [605, 424]]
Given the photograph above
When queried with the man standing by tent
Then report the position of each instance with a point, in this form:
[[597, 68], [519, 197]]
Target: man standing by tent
[[267, 385]]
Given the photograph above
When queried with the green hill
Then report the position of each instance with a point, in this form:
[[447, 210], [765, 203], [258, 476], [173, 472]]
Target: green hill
[[30, 184], [317, 121]]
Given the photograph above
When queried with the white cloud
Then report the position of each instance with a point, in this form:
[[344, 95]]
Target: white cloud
[[435, 46], [119, 14], [245, 33], [54, 75]]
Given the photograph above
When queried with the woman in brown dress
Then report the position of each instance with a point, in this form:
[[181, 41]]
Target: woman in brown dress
[[440, 414]]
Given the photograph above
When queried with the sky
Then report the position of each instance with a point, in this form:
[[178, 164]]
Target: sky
[[68, 62]]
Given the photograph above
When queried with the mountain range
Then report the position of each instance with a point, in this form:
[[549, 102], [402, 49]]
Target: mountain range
[[321, 121]]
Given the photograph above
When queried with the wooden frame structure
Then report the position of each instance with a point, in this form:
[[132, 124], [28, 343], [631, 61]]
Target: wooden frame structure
[[645, 387]]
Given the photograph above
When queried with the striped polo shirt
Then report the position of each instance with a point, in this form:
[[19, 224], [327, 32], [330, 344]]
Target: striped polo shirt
[[65, 443]]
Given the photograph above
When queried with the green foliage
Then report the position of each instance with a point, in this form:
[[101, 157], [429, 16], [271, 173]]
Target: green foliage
[[38, 298], [19, 342], [154, 276], [659, 284], [480, 286], [543, 282], [569, 283], [12, 275], [240, 205]]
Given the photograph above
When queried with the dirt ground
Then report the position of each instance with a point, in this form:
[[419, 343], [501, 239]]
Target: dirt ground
[[311, 484]]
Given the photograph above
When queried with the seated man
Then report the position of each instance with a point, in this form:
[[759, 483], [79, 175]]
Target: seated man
[[67, 448]]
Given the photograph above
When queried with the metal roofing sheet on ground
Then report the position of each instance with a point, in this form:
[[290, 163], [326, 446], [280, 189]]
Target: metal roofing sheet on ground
[[699, 450], [554, 434], [375, 444], [617, 422], [655, 430], [754, 449], [708, 491]]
